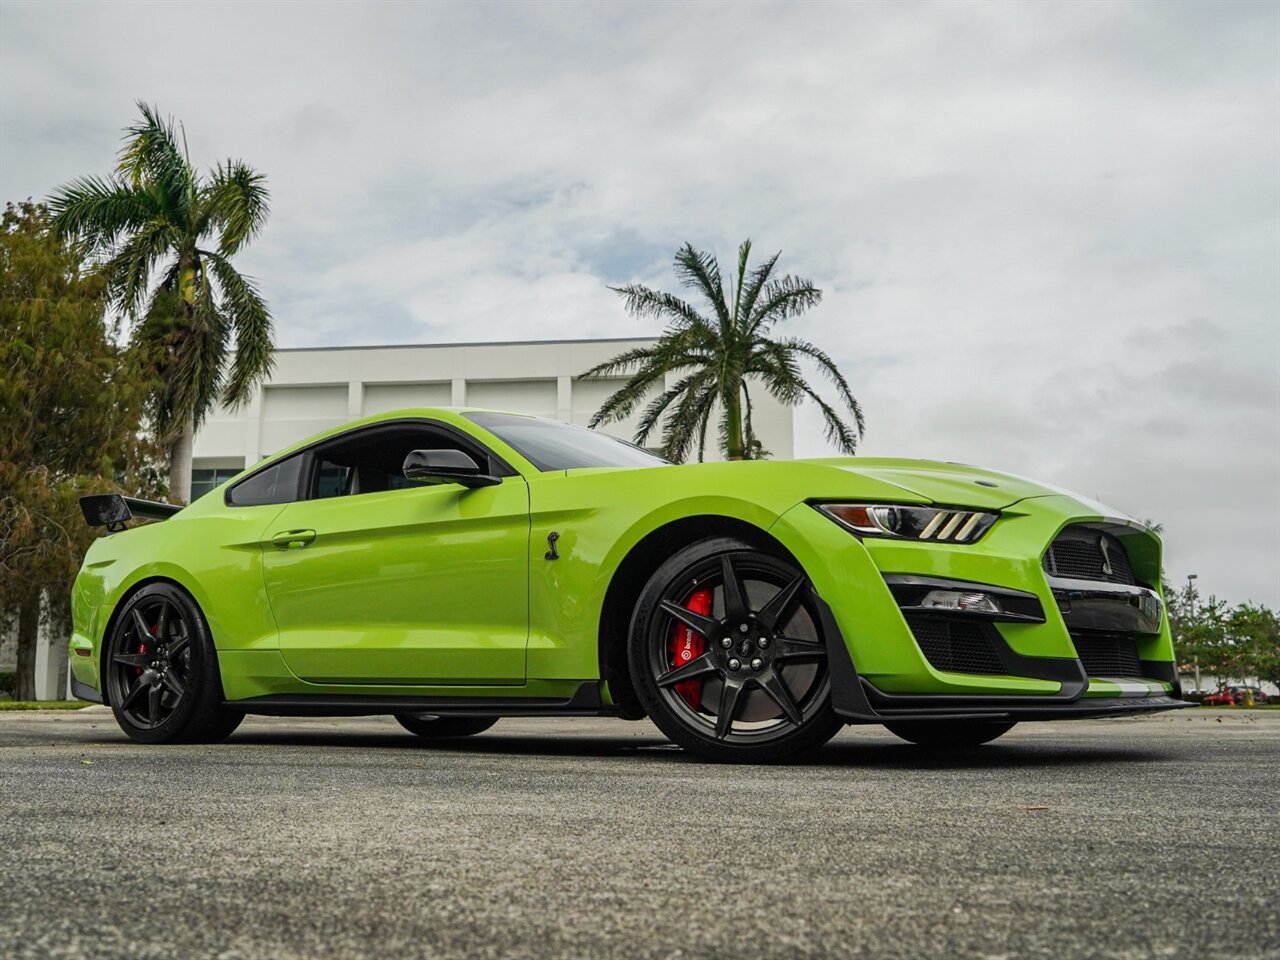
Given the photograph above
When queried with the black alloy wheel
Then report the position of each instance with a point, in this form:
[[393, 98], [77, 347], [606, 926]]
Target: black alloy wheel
[[728, 656], [161, 672], [432, 727]]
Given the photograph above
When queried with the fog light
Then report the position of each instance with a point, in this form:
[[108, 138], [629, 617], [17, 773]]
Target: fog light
[[960, 600]]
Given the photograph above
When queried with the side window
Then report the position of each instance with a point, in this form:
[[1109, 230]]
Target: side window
[[372, 460], [276, 484], [332, 480]]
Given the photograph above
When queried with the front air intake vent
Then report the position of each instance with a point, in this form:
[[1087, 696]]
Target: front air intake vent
[[1082, 553], [957, 645], [1107, 654]]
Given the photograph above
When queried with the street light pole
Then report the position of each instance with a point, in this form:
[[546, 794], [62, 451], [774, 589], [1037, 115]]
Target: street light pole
[[1191, 599]]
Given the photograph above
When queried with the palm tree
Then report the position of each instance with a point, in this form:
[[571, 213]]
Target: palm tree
[[165, 234], [714, 359]]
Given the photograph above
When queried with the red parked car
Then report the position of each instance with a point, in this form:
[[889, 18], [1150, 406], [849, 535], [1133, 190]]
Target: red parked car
[[1233, 696]]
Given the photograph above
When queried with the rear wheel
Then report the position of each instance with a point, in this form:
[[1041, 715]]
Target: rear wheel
[[441, 728], [728, 656], [161, 671], [949, 734]]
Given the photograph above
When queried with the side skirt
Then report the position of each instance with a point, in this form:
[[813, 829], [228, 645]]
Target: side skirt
[[586, 701]]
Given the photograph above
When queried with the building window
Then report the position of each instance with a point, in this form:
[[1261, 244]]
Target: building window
[[204, 479]]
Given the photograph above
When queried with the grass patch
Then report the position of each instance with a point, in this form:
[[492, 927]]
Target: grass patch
[[44, 704]]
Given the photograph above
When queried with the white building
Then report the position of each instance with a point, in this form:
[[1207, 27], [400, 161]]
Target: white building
[[312, 389]]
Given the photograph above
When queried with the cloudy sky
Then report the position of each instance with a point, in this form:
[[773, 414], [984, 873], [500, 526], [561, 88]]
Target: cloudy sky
[[1048, 235]]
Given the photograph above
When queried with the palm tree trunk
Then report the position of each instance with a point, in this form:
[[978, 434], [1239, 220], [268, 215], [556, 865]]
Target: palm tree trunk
[[735, 445], [180, 462], [28, 636]]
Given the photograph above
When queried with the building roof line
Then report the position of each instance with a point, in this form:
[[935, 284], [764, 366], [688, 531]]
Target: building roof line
[[470, 343]]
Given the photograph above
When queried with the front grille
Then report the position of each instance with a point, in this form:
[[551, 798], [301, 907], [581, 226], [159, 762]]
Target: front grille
[[1106, 654], [1081, 553], [956, 645]]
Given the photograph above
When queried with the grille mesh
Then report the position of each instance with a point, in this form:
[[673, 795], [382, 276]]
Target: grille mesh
[[955, 645], [1078, 553], [1108, 654]]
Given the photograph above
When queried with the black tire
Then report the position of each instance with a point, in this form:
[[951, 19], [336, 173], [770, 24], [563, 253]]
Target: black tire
[[160, 670], [767, 695], [949, 734], [444, 728]]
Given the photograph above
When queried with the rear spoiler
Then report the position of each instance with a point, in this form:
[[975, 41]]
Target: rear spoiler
[[111, 510]]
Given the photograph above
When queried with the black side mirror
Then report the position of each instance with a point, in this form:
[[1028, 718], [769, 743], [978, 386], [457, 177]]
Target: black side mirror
[[446, 466]]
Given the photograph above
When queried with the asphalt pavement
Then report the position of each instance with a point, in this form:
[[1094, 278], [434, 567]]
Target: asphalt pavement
[[1122, 838]]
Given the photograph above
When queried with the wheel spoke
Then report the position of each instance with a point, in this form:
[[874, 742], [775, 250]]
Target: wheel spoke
[[735, 599], [694, 621], [175, 649], [139, 688], [170, 680], [162, 624], [790, 648], [140, 625], [730, 698], [778, 610], [142, 660], [697, 667], [153, 702], [777, 688]]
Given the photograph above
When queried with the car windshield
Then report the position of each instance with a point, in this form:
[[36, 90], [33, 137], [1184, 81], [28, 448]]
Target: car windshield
[[552, 445]]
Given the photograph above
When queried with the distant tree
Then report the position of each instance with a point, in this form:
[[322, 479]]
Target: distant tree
[[167, 234], [1229, 643], [716, 355], [72, 403]]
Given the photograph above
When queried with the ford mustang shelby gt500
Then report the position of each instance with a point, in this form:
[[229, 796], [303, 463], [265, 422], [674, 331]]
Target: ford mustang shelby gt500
[[451, 567]]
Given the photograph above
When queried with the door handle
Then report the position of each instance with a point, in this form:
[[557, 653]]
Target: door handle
[[291, 537]]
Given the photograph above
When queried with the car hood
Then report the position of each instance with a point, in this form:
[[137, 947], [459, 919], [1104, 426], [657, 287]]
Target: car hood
[[956, 483]]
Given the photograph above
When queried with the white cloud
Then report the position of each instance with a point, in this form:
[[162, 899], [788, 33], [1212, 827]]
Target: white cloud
[[1049, 234]]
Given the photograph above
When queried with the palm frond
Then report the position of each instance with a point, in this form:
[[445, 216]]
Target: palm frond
[[249, 320], [700, 271], [642, 301], [236, 201], [836, 430], [620, 404], [688, 420], [622, 363], [744, 255], [100, 210], [703, 415], [151, 154], [787, 297], [188, 352], [778, 370], [750, 294], [658, 405], [828, 369], [129, 271]]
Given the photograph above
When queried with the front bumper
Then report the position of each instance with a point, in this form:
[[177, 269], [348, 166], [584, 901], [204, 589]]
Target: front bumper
[[1037, 673]]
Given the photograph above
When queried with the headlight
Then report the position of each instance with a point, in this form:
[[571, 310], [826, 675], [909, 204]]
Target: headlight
[[939, 524]]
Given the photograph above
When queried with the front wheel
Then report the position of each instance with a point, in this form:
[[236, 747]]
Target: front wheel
[[728, 656], [442, 728], [161, 670], [949, 734]]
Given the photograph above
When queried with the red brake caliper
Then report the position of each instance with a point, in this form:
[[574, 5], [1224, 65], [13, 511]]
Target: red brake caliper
[[142, 648], [685, 645]]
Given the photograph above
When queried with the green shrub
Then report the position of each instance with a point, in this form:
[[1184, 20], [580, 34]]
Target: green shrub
[[8, 682]]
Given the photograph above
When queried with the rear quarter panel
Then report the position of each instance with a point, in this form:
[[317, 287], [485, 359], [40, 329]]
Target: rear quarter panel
[[214, 554]]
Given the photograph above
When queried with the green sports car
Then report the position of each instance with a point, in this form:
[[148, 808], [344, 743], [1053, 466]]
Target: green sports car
[[451, 567]]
